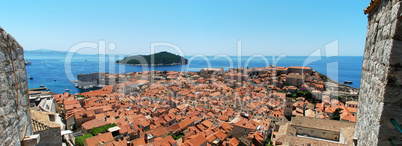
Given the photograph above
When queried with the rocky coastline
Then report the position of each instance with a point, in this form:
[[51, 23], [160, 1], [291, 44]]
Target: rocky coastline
[[170, 64]]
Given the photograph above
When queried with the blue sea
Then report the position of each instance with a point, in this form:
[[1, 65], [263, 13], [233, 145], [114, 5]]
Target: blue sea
[[46, 68]]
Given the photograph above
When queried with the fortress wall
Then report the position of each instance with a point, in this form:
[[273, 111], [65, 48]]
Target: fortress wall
[[380, 95], [14, 102]]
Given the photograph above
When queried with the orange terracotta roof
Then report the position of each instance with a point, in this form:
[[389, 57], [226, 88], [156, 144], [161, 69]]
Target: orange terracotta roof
[[103, 138], [211, 138], [185, 123], [84, 114], [167, 141], [196, 141], [120, 142], [247, 124], [222, 136], [207, 123], [174, 128], [233, 142], [94, 123], [41, 121], [225, 126], [159, 131], [138, 142]]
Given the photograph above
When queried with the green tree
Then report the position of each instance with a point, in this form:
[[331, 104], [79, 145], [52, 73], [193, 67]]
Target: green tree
[[268, 142], [306, 94], [79, 141], [337, 114], [176, 137], [101, 129]]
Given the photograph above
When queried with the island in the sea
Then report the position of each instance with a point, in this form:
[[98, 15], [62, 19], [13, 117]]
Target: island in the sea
[[160, 59]]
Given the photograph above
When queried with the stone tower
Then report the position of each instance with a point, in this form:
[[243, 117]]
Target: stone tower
[[288, 107], [380, 97], [15, 121]]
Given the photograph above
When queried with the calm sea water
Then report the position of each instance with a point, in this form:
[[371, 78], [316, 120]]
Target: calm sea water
[[47, 67]]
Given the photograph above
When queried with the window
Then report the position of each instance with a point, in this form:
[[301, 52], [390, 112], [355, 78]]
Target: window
[[323, 134], [336, 137], [312, 131], [51, 117]]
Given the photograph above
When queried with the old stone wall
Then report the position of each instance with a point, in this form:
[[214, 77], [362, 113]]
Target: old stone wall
[[380, 96], [14, 117]]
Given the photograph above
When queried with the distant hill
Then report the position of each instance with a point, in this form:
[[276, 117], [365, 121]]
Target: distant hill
[[44, 51], [160, 59]]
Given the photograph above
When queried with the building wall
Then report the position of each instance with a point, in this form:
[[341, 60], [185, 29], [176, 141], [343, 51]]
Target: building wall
[[50, 137], [317, 94], [295, 80], [209, 72], [239, 132], [70, 121], [288, 107], [14, 118], [380, 95], [342, 138], [87, 79], [300, 70], [319, 133]]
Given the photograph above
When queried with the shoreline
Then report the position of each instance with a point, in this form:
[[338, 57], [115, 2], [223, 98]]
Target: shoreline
[[339, 83]]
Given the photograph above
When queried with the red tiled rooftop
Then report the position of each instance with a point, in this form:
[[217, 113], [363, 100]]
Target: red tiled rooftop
[[94, 123], [103, 138]]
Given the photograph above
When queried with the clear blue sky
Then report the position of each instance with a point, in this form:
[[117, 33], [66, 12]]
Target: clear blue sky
[[206, 27]]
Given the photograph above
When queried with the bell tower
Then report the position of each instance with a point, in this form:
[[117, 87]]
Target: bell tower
[[288, 106]]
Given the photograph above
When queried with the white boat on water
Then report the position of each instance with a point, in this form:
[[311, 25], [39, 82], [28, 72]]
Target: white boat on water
[[27, 62]]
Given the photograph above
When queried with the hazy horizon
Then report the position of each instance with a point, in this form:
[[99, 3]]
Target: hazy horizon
[[42, 50]]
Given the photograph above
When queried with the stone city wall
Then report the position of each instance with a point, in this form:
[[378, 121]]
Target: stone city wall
[[380, 95], [14, 102]]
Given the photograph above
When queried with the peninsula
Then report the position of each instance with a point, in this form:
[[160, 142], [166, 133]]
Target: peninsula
[[159, 59]]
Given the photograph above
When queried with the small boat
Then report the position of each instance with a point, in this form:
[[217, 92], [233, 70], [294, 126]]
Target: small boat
[[347, 82], [54, 80], [31, 78], [41, 86], [67, 90]]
